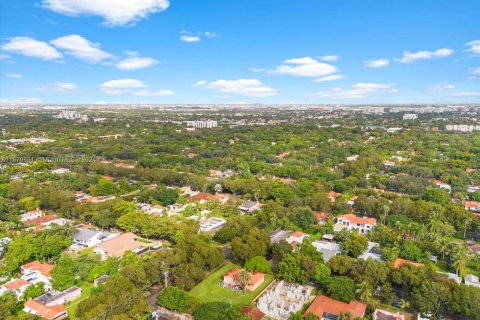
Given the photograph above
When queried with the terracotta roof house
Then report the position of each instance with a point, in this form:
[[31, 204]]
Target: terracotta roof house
[[116, 247], [351, 222], [37, 213], [473, 206], [325, 307], [333, 195], [37, 266], [51, 313], [400, 262], [15, 286], [443, 185], [387, 315], [321, 217], [253, 312], [232, 278], [202, 197]]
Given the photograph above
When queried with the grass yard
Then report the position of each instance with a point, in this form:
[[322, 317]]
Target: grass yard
[[72, 306], [209, 289]]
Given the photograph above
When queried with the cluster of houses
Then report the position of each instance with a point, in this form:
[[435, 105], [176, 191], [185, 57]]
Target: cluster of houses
[[48, 305], [283, 299]]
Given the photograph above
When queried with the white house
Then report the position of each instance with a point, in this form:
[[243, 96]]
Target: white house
[[37, 213], [443, 185], [471, 280], [36, 271], [89, 238], [15, 286], [249, 206], [60, 171], [212, 224], [351, 222], [328, 249], [473, 206]]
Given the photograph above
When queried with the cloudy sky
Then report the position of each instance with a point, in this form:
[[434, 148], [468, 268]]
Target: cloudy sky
[[233, 51]]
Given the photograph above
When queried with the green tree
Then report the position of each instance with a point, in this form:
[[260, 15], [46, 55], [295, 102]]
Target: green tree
[[174, 298], [259, 264], [341, 288], [34, 291], [218, 311], [63, 275]]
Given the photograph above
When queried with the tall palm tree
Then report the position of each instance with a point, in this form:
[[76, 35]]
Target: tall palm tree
[[244, 279], [460, 259]]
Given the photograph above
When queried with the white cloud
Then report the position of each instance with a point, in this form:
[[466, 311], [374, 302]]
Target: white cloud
[[244, 87], [81, 48], [475, 70], [134, 62], [474, 46], [376, 63], [209, 34], [131, 86], [190, 38], [31, 48], [357, 91], [466, 94], [147, 93], [114, 12], [14, 75], [332, 77], [409, 57], [200, 83], [304, 67], [328, 58], [58, 86], [4, 56], [447, 86]]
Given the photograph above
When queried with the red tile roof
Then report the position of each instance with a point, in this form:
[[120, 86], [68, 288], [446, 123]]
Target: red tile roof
[[323, 304], [321, 216], [254, 276], [16, 284], [202, 196], [472, 204], [43, 268], [360, 220], [44, 311], [40, 220], [297, 234], [400, 262], [252, 312]]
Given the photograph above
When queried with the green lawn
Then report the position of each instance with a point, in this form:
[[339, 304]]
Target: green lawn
[[209, 289], [72, 305]]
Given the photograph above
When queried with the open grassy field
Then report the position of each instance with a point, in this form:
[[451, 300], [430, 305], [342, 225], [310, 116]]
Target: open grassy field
[[210, 290]]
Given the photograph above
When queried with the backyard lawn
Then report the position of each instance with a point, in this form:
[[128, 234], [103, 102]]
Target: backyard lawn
[[72, 306], [210, 290]]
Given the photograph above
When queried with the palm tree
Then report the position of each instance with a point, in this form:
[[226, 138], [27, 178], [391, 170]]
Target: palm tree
[[364, 291], [218, 188], [404, 305], [244, 279], [460, 259]]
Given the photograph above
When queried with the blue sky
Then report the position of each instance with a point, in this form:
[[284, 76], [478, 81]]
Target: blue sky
[[232, 51]]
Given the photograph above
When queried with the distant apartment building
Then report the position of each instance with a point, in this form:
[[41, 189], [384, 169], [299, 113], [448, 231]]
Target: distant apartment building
[[410, 116], [201, 124], [462, 127], [67, 115]]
